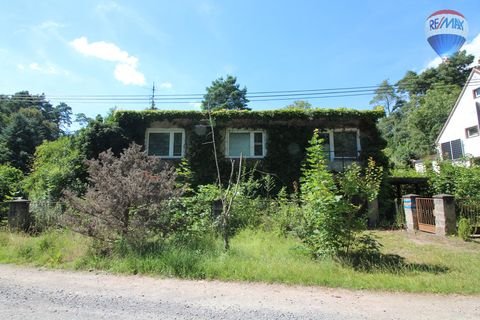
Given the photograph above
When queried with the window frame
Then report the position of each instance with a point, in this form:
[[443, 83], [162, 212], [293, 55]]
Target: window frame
[[171, 142], [252, 143], [332, 144], [467, 135]]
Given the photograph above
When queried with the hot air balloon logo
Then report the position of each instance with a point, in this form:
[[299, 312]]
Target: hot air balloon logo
[[446, 32]]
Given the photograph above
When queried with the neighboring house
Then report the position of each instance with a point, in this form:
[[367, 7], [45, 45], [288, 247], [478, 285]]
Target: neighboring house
[[460, 135], [275, 141]]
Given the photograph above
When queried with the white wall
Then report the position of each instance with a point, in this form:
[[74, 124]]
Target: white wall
[[464, 116]]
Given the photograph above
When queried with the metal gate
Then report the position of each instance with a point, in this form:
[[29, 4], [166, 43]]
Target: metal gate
[[425, 216]]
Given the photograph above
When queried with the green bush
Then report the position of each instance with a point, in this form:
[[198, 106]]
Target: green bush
[[57, 166], [464, 229], [10, 182], [456, 179], [332, 214]]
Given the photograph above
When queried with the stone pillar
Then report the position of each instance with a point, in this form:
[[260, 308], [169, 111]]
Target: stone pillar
[[373, 214], [19, 215], [410, 209], [445, 217]]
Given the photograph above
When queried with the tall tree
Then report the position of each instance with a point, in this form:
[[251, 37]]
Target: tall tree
[[423, 103], [27, 120], [386, 96], [225, 94]]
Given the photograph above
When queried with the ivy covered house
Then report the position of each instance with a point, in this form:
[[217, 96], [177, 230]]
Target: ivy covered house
[[274, 141]]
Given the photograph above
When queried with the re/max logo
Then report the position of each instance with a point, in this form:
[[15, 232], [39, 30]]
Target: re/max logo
[[446, 23]]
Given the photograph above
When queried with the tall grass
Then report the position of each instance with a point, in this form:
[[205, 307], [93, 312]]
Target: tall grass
[[421, 264]]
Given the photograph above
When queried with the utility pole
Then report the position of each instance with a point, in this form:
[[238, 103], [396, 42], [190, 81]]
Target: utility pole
[[152, 107]]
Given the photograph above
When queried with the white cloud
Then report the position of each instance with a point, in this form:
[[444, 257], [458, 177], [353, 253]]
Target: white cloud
[[49, 24], [107, 6], [126, 67], [166, 85], [472, 47], [128, 74], [47, 68]]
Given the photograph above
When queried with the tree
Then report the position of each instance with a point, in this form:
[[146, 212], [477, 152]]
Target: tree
[[386, 96], [331, 212], [10, 181], [57, 166], [299, 104], [128, 198], [225, 94], [422, 103], [27, 120]]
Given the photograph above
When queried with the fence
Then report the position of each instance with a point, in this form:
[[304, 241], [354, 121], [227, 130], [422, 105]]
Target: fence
[[469, 210]]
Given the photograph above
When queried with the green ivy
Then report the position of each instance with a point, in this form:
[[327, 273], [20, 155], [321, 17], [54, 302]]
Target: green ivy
[[289, 131]]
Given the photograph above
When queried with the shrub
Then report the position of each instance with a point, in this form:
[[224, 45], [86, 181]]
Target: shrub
[[455, 179], [57, 166], [128, 198], [10, 181], [464, 229], [331, 213]]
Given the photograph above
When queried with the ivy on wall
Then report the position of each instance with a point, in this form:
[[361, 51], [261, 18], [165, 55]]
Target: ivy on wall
[[288, 133]]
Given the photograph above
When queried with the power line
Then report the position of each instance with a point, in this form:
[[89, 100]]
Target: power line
[[279, 95]]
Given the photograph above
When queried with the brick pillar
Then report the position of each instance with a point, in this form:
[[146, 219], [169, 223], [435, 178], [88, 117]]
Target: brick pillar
[[19, 215], [445, 217], [410, 208]]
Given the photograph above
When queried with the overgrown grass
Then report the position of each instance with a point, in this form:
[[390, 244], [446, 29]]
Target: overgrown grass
[[412, 263]]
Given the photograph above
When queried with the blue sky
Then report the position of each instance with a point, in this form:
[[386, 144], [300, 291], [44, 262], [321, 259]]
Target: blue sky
[[70, 49]]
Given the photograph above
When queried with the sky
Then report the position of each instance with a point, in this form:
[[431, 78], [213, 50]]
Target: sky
[[110, 51]]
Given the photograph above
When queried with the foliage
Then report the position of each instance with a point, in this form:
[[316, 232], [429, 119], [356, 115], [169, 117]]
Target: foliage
[[288, 216], [128, 198], [225, 94], [420, 105], [57, 166], [99, 136], [386, 96], [259, 256], [464, 229], [299, 104], [330, 212], [10, 182], [27, 120], [457, 180]]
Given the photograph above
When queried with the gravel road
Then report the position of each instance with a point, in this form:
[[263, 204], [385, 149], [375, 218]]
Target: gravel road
[[28, 293]]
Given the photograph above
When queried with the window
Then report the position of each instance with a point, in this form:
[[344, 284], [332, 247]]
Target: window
[[476, 93], [472, 132], [247, 143], [345, 144], [452, 150], [168, 143]]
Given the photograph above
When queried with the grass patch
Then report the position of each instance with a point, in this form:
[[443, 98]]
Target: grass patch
[[411, 263]]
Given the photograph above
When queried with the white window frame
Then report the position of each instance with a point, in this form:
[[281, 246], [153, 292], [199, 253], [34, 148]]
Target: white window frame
[[252, 143], [171, 131], [471, 135], [332, 143]]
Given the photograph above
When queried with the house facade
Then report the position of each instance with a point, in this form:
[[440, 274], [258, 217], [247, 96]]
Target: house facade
[[273, 141], [460, 135]]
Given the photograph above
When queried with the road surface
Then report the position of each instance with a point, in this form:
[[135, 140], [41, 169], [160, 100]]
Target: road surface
[[29, 293]]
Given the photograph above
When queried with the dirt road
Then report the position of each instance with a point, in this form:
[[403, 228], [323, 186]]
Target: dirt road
[[28, 293]]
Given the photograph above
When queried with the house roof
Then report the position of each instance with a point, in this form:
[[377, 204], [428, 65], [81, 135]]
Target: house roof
[[474, 70]]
